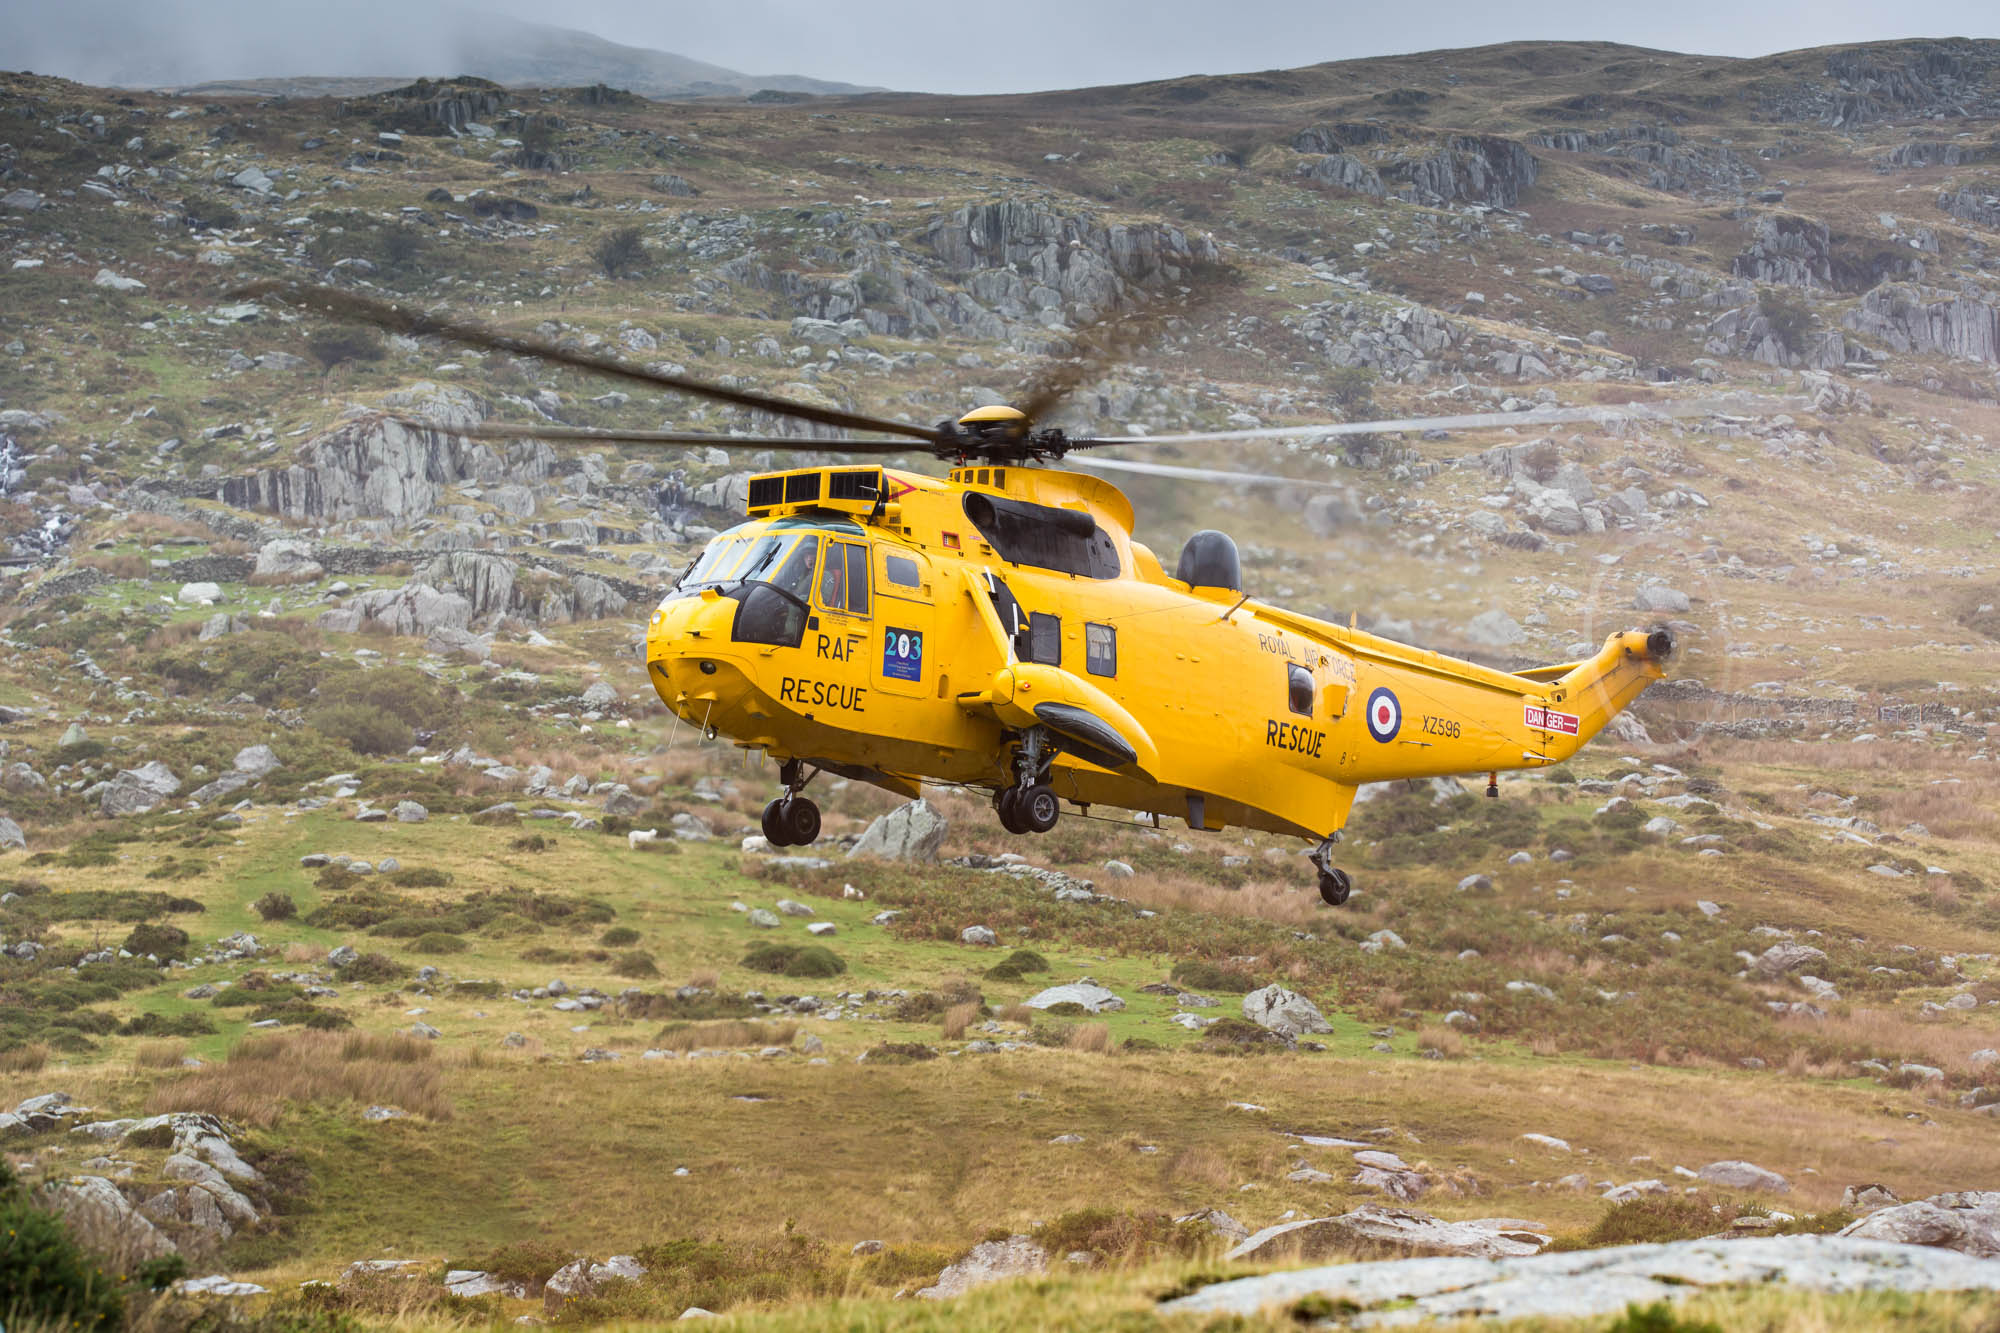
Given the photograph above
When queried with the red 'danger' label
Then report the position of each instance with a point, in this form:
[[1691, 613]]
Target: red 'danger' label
[[1548, 719]]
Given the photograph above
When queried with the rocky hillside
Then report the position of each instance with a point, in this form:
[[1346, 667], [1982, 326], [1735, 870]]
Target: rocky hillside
[[325, 745]]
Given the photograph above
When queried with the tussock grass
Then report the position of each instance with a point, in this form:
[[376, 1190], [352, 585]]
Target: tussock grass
[[159, 1054], [1286, 903], [1447, 1042], [1893, 1036], [957, 1019], [724, 1034], [265, 1074], [1093, 1038], [24, 1059]]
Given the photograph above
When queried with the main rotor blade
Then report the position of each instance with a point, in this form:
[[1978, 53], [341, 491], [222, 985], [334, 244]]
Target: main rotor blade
[[1102, 343], [1200, 473], [417, 323], [1548, 416], [504, 430]]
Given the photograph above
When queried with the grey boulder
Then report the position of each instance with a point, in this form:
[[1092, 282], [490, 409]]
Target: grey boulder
[[1661, 599], [584, 1279], [989, 1261], [288, 559], [1370, 1229], [1967, 1221], [1285, 1012], [136, 790], [1787, 957], [1093, 997], [1744, 1176], [911, 832]]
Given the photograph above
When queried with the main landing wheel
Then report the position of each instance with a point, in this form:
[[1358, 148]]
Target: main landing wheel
[[791, 821], [1038, 808], [1334, 886], [1008, 806]]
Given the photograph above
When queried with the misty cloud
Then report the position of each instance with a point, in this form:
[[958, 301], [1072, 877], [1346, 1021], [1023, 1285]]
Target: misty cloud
[[908, 44]]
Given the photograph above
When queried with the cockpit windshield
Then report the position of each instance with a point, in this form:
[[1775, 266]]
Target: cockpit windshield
[[784, 560], [715, 560]]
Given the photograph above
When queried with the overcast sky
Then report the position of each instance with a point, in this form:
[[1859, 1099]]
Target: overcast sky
[[929, 45]]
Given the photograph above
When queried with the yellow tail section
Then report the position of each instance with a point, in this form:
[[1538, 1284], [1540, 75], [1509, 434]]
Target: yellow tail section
[[1597, 690]]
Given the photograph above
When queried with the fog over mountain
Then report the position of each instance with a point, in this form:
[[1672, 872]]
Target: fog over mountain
[[904, 44], [184, 42]]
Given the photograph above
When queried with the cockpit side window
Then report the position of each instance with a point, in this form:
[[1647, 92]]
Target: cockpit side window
[[843, 579], [857, 578], [795, 573]]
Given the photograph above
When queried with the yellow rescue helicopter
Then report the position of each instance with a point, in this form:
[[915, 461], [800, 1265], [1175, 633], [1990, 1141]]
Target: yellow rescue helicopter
[[1000, 628]]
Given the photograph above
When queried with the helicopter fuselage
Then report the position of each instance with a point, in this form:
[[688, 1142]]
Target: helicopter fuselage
[[902, 628]]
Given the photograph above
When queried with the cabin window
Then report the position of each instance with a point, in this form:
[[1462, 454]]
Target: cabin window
[[1044, 638], [1299, 689], [843, 579], [1100, 649], [902, 571]]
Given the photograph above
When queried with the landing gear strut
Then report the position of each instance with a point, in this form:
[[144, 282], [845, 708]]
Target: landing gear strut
[[792, 820], [1334, 885], [1030, 805]]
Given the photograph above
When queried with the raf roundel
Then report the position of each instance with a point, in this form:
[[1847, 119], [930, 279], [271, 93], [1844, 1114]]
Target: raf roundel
[[1385, 715]]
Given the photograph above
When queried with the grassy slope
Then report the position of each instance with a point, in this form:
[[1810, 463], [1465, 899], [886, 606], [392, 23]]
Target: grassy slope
[[941, 1152]]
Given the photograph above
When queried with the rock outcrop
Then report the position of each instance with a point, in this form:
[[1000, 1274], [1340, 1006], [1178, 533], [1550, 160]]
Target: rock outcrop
[[1788, 250], [1908, 318], [1346, 172], [1026, 248], [494, 587], [1372, 1230], [374, 465], [1967, 1221], [1973, 207], [414, 608], [1587, 1283], [1673, 162], [1468, 169]]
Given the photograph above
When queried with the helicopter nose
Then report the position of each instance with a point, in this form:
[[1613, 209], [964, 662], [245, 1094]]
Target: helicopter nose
[[693, 664]]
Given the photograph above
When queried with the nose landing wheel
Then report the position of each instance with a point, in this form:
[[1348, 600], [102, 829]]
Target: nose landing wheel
[[791, 820]]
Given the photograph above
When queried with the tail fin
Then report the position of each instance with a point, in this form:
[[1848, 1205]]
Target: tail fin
[[1598, 689]]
